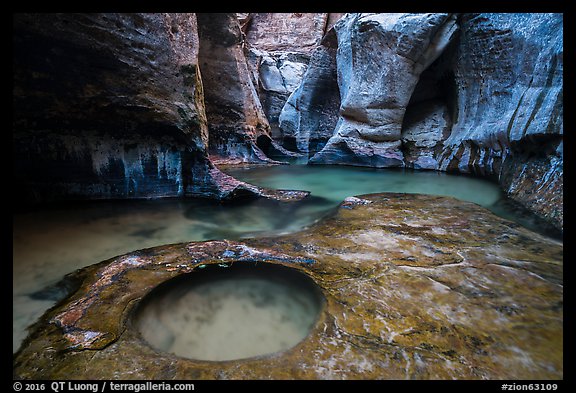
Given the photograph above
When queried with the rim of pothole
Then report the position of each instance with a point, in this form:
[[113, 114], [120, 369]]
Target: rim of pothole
[[227, 312]]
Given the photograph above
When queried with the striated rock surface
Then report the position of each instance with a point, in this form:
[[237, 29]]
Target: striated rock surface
[[280, 46], [416, 287], [308, 118], [375, 90], [104, 101], [277, 75], [285, 32], [509, 75], [235, 116], [498, 78], [116, 105], [111, 106], [426, 125]]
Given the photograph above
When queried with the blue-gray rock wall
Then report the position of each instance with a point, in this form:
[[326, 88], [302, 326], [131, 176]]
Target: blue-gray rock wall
[[508, 124], [480, 94], [108, 106], [309, 117]]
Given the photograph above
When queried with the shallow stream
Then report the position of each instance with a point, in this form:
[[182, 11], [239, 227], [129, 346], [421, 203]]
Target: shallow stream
[[52, 241]]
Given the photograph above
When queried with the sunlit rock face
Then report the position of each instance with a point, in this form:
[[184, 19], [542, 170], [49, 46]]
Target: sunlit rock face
[[415, 287], [278, 75]]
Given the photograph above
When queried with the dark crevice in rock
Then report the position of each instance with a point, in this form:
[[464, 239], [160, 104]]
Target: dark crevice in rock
[[431, 112]]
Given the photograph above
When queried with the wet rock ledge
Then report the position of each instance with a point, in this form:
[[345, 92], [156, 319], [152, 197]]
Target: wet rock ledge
[[416, 287]]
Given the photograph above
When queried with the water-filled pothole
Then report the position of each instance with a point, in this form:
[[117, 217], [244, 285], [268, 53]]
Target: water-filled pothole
[[227, 313]]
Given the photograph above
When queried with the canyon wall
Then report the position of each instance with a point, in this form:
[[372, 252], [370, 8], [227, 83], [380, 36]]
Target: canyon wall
[[508, 69], [142, 105], [470, 93], [235, 116], [111, 106], [279, 48], [375, 94], [309, 116]]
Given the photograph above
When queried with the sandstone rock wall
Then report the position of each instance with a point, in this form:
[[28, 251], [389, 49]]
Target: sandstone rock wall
[[277, 75], [285, 32], [378, 62], [279, 49], [235, 116], [474, 93], [113, 106], [426, 125], [509, 121], [308, 118], [130, 105], [110, 106]]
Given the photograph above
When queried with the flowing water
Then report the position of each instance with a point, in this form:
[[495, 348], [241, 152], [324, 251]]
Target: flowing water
[[52, 241]]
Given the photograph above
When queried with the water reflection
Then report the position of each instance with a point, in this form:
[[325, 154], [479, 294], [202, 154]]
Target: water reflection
[[256, 217]]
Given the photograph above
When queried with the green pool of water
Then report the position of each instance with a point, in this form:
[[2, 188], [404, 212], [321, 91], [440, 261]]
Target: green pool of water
[[53, 241]]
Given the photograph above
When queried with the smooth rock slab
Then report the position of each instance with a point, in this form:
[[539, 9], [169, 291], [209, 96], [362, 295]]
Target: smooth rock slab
[[416, 287]]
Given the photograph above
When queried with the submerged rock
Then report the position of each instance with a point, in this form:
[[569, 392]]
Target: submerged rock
[[415, 287]]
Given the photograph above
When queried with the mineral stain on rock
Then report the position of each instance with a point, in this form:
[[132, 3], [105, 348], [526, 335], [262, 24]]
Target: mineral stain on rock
[[415, 286]]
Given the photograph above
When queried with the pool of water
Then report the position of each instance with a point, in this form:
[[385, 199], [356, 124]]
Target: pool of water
[[53, 241], [239, 312]]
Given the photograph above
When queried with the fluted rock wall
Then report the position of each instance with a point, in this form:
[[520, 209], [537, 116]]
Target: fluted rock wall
[[113, 106], [509, 123], [137, 105], [470, 93], [235, 116], [279, 47], [379, 60], [309, 116]]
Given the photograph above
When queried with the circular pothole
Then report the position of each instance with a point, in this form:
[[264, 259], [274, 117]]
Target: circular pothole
[[227, 313]]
